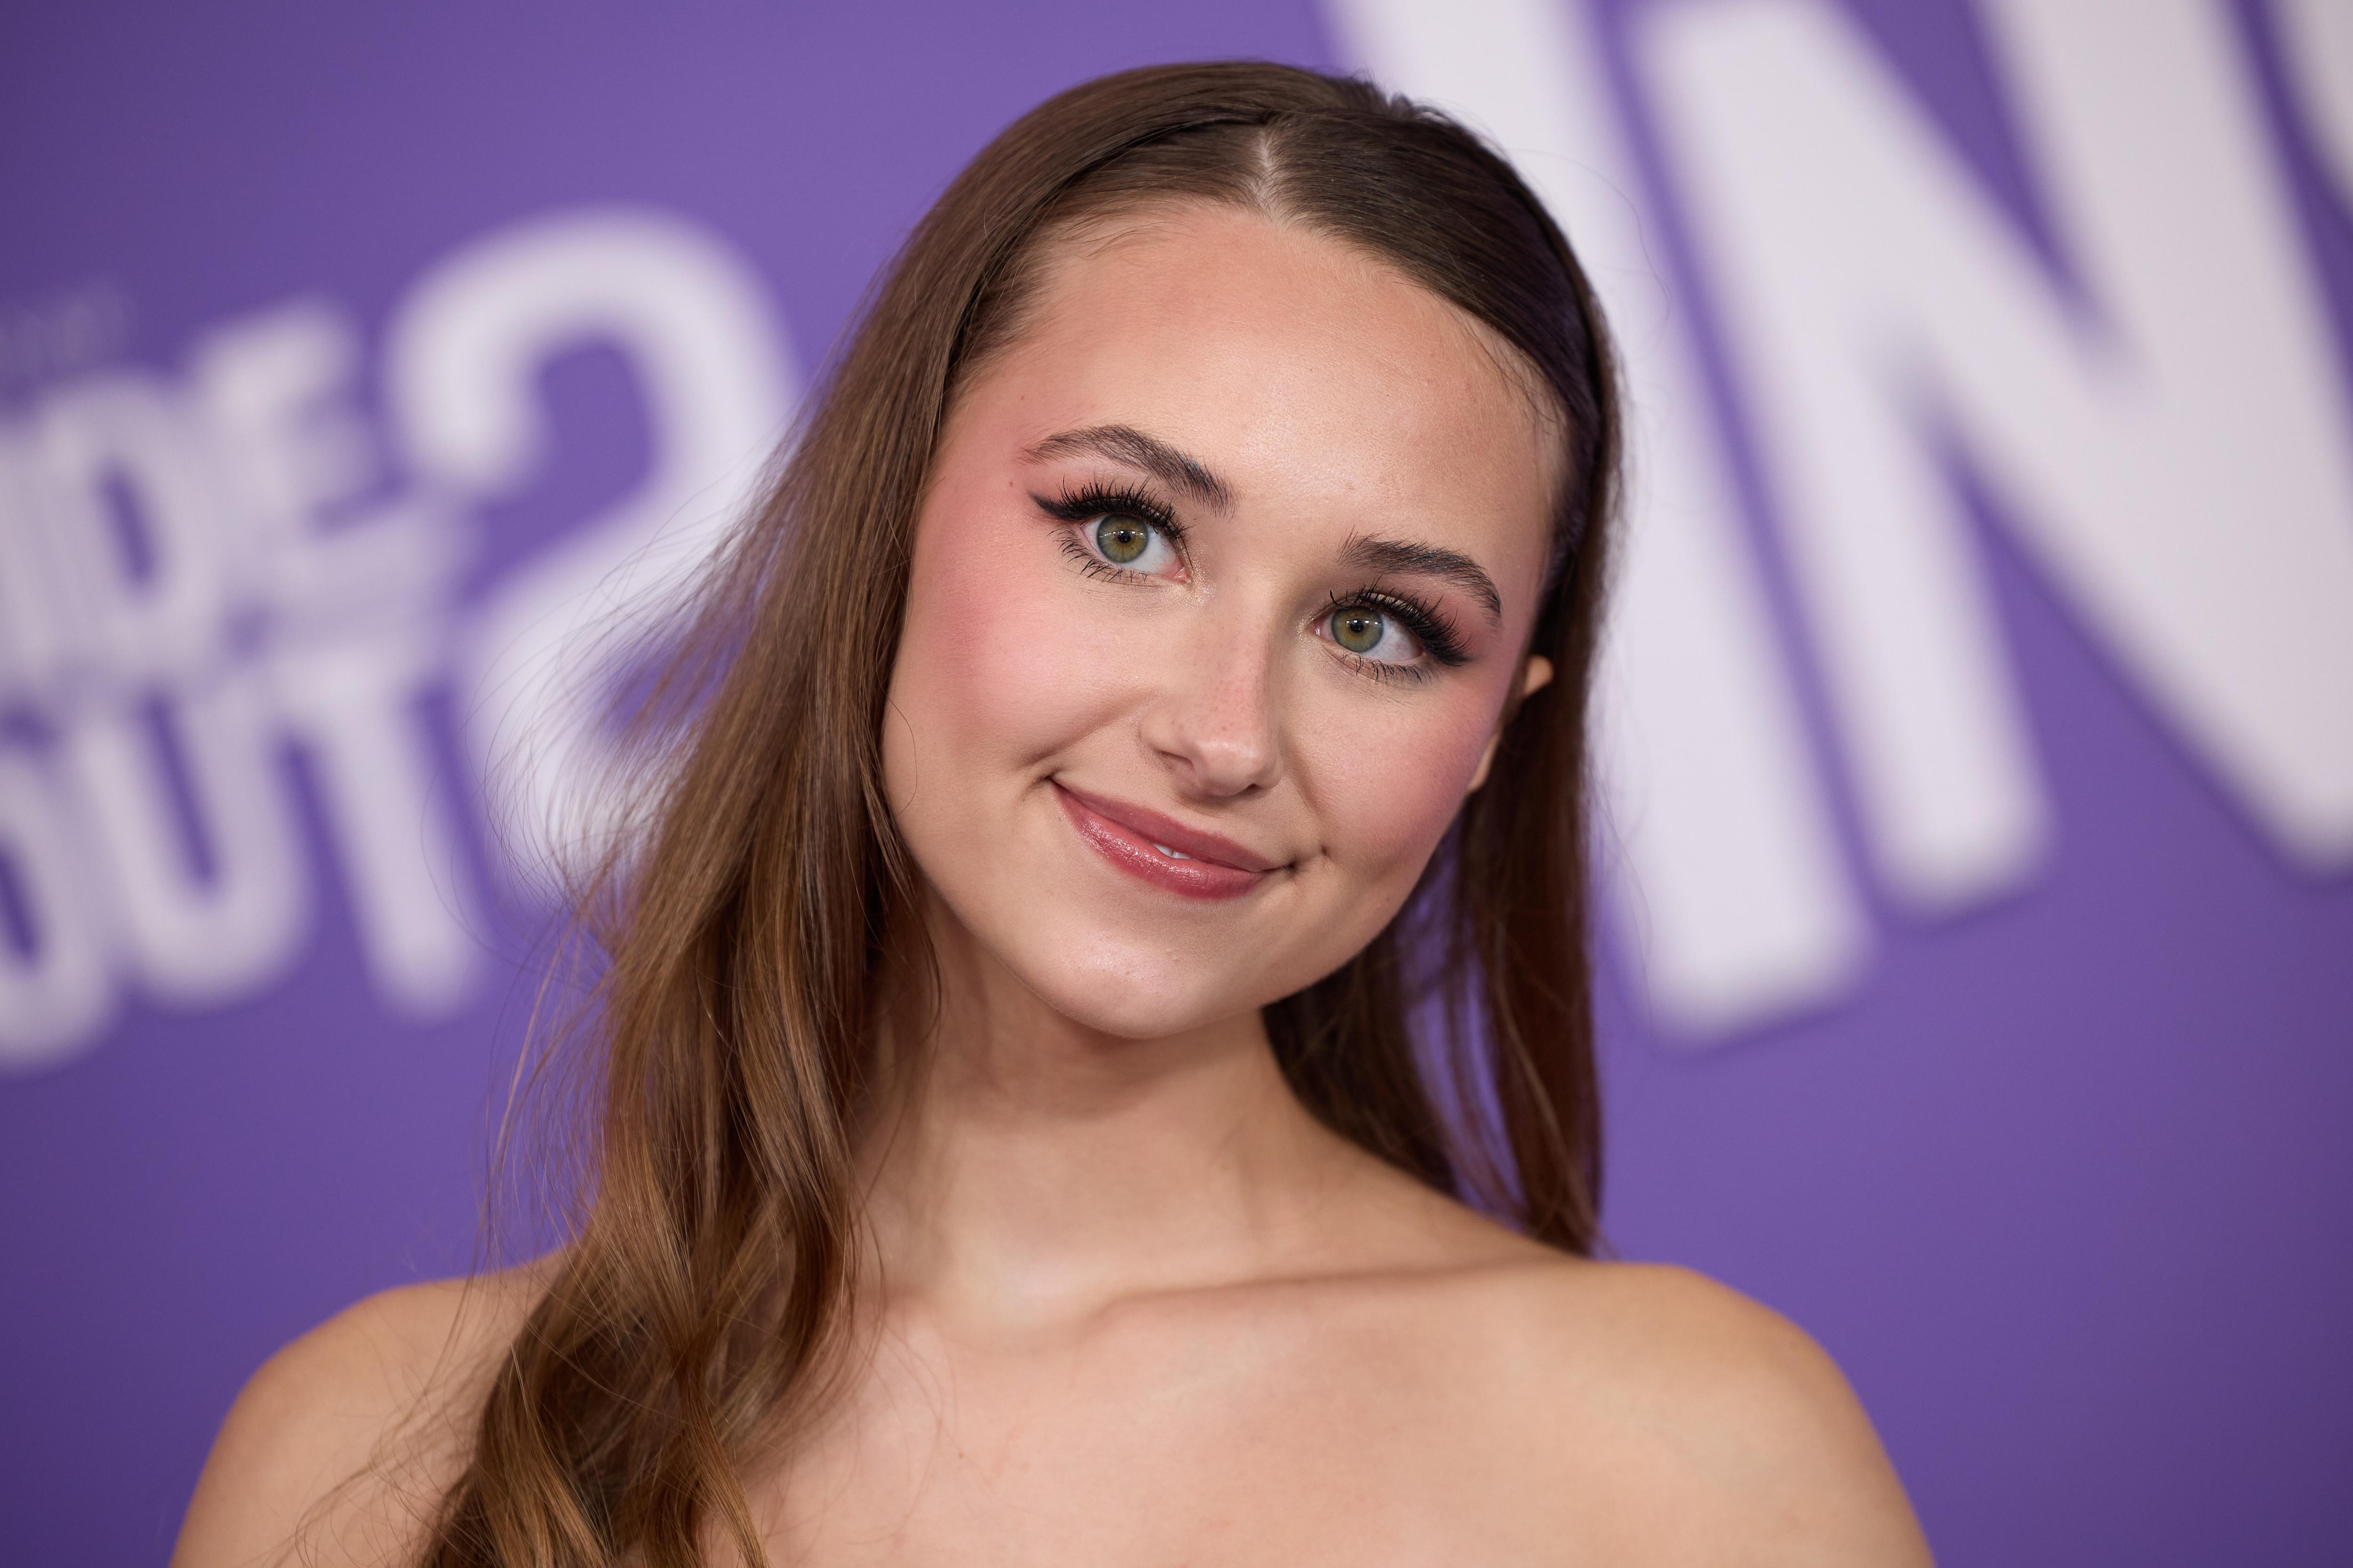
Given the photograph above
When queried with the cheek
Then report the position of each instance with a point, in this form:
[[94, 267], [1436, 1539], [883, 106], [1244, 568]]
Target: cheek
[[991, 667], [1386, 789]]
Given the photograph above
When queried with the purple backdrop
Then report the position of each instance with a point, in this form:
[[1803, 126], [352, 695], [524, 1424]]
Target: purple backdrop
[[2052, 1155]]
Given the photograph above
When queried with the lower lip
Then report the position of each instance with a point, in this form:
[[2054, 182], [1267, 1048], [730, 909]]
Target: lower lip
[[1135, 855]]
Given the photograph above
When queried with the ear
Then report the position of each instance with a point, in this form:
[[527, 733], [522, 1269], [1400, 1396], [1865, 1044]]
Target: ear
[[1535, 676]]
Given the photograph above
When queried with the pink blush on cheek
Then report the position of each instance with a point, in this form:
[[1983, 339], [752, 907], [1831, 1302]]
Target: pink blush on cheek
[[1387, 793], [995, 666]]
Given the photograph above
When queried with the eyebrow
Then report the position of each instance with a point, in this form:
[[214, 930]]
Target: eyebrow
[[1125, 444], [1386, 555]]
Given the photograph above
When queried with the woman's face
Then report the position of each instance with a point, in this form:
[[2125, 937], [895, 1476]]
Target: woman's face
[[1220, 587]]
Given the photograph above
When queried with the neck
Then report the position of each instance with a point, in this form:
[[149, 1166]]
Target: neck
[[1028, 1170]]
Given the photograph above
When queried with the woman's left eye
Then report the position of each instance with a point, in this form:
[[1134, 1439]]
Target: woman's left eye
[[1130, 543], [1371, 633]]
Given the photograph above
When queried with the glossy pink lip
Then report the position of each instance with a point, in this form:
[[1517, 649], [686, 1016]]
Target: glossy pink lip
[[1136, 839]]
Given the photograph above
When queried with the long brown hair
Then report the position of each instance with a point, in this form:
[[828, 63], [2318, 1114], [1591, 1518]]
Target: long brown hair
[[696, 1315]]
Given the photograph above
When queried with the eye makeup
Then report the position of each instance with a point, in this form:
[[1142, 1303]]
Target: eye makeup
[[1439, 640], [1090, 502], [1087, 504], [1430, 626]]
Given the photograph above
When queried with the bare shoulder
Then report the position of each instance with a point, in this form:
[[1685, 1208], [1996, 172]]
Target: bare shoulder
[[1723, 1426], [342, 1440]]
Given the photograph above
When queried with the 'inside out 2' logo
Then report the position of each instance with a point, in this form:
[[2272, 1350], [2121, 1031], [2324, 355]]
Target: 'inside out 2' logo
[[260, 565]]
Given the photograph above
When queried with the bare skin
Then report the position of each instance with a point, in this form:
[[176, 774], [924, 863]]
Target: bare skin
[[1128, 1302]]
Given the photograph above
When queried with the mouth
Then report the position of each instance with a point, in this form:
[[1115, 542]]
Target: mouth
[[1162, 851]]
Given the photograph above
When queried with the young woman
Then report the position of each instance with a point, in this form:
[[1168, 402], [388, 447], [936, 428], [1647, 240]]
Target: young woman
[[1095, 1056]]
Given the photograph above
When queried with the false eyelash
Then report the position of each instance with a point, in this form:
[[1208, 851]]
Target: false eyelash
[[1075, 507], [1429, 624], [1094, 565], [1086, 505]]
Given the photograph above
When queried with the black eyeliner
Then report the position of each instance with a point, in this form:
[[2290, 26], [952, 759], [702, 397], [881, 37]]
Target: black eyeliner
[[1429, 626], [1086, 504]]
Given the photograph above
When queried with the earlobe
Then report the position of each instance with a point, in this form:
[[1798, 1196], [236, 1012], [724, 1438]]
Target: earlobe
[[1535, 676]]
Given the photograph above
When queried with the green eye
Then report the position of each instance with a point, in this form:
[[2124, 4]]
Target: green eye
[[1123, 540], [1358, 629]]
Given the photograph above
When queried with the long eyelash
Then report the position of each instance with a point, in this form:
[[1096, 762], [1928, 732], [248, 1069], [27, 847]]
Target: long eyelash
[[1094, 565], [1091, 501], [1429, 624], [1086, 505]]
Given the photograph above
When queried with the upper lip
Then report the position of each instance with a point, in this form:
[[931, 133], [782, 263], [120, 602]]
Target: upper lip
[[1171, 834]]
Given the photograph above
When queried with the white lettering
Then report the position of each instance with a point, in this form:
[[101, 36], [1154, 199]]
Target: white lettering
[[353, 706], [55, 993], [196, 939], [2316, 49], [133, 508], [2173, 452], [33, 640], [464, 355], [358, 612], [203, 580]]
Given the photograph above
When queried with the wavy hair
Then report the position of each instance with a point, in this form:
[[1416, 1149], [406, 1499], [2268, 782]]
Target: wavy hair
[[694, 1320]]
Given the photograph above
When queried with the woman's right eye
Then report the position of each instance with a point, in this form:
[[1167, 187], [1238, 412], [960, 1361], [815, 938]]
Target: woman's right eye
[[1130, 543]]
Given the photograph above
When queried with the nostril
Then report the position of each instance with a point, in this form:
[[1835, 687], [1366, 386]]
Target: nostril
[[1214, 723]]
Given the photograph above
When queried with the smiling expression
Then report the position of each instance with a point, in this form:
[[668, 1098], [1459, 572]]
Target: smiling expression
[[1221, 582]]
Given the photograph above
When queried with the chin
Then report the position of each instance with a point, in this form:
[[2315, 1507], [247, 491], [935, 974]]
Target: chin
[[1137, 992]]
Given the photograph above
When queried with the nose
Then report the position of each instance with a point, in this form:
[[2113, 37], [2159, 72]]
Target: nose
[[1212, 719]]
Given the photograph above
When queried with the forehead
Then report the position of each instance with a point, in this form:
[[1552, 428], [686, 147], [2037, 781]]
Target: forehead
[[1308, 374]]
